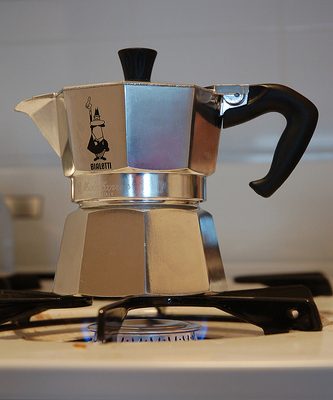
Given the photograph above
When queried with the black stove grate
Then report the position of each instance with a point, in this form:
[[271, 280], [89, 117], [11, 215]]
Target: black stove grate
[[315, 281], [24, 281], [274, 309], [19, 306]]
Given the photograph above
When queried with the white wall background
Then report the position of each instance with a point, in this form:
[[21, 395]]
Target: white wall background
[[48, 44]]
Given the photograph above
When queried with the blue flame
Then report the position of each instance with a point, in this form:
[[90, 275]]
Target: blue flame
[[88, 330], [203, 331]]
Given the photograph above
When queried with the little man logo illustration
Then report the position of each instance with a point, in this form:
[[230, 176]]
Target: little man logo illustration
[[97, 144]]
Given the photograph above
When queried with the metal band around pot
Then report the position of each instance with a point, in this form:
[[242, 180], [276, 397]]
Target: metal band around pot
[[139, 186]]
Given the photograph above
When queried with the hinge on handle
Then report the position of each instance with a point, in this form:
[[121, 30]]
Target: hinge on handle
[[231, 95]]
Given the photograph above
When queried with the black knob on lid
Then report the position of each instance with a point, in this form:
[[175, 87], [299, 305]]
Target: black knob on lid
[[137, 63]]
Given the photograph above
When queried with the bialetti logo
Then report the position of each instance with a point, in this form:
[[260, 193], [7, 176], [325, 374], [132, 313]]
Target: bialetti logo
[[97, 145], [100, 165]]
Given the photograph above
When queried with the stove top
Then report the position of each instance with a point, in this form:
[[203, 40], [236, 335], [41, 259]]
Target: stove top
[[51, 360]]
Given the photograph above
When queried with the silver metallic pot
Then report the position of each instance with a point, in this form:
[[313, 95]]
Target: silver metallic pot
[[138, 154]]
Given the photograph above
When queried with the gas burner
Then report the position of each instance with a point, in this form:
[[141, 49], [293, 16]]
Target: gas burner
[[150, 330]]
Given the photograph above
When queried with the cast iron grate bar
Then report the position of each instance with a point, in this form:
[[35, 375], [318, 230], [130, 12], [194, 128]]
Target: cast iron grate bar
[[315, 281], [19, 305], [24, 281]]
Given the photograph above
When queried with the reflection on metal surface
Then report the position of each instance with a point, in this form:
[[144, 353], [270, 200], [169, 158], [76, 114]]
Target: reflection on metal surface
[[152, 330], [139, 186], [158, 127], [233, 95], [139, 248]]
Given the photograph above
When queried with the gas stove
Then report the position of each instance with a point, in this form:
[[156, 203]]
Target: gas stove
[[188, 347], [140, 307]]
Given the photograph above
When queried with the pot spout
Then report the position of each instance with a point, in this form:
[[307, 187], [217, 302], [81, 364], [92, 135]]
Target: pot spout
[[43, 111]]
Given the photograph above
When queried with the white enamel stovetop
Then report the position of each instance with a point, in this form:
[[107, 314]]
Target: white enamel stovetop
[[241, 363]]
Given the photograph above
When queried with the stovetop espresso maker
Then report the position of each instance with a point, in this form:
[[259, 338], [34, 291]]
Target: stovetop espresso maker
[[138, 154]]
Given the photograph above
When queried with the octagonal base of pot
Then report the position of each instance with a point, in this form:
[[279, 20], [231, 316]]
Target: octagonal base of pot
[[139, 250]]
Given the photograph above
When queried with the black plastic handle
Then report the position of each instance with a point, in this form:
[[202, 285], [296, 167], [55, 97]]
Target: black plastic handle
[[137, 63], [301, 116]]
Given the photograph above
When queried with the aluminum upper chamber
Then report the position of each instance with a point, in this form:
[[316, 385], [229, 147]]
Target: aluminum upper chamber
[[108, 134]]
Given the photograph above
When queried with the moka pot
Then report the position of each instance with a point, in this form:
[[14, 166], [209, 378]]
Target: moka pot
[[138, 154]]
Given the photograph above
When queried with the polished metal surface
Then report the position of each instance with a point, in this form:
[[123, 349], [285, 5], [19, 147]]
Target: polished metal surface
[[148, 127], [139, 186], [152, 330], [138, 249], [233, 95], [138, 155]]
